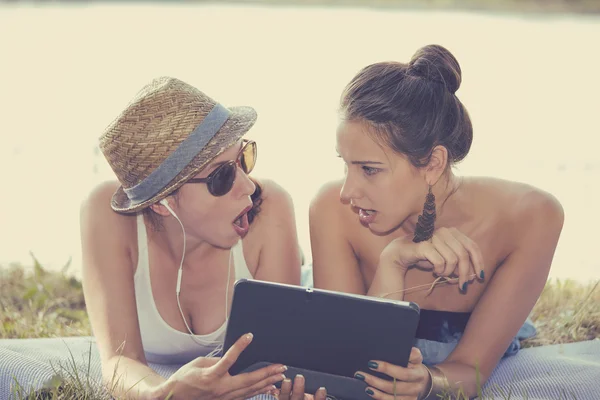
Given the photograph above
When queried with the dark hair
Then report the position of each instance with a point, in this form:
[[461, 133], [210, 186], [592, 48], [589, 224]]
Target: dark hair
[[413, 107], [256, 197]]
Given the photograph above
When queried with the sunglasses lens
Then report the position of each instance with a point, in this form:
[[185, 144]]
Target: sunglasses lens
[[248, 158], [222, 180]]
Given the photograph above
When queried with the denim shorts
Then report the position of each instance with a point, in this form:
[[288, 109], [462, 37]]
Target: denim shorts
[[435, 352]]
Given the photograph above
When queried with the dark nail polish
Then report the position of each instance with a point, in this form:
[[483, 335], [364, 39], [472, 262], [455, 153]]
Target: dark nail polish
[[464, 287], [370, 392], [372, 365], [482, 274], [359, 376]]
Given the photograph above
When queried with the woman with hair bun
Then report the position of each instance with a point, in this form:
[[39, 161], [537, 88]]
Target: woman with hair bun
[[473, 252]]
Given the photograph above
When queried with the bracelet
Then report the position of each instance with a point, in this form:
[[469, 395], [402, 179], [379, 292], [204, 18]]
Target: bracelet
[[439, 384], [430, 384]]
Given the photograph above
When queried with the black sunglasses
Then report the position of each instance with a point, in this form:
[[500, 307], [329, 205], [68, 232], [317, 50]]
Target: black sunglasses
[[220, 181]]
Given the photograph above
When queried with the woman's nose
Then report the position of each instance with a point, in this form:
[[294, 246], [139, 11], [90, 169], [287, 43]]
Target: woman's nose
[[247, 185], [349, 189]]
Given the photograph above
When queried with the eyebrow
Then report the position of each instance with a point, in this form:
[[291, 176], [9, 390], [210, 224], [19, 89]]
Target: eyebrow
[[359, 162], [366, 162], [217, 164], [362, 162]]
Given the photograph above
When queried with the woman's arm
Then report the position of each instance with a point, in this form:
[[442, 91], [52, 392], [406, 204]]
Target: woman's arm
[[510, 295], [109, 296], [334, 264], [279, 258]]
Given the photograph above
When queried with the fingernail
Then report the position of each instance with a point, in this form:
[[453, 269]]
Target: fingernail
[[482, 274], [249, 336], [372, 365], [284, 378], [299, 377], [370, 392], [464, 287], [283, 368], [359, 376]]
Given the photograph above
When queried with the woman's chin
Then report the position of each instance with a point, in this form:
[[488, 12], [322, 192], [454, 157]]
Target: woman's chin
[[224, 242], [378, 228], [381, 229], [232, 242]]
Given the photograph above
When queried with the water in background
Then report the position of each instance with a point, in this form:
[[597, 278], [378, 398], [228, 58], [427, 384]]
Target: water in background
[[530, 84]]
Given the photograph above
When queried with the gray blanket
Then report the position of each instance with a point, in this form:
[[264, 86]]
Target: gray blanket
[[570, 371]]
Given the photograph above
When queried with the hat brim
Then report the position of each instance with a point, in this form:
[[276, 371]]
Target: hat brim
[[237, 125]]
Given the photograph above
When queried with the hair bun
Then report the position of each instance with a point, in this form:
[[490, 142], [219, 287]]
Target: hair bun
[[436, 64]]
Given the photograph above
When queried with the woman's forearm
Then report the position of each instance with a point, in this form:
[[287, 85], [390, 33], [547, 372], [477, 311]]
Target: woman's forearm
[[388, 281], [131, 379], [462, 379]]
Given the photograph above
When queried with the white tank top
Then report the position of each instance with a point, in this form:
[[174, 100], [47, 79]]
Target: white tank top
[[162, 343]]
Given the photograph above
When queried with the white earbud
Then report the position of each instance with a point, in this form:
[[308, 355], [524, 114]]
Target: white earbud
[[165, 203]]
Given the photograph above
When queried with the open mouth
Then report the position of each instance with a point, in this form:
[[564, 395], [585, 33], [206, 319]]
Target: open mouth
[[366, 216], [241, 224]]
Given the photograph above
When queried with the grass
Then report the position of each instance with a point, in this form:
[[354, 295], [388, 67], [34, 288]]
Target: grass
[[37, 303], [566, 312], [40, 303]]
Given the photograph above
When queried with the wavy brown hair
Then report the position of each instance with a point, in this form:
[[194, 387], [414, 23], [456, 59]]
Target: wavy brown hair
[[413, 107]]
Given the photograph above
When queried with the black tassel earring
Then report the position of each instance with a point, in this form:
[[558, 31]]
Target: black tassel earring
[[426, 222]]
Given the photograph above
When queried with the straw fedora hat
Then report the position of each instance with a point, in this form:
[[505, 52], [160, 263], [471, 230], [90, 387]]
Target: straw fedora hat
[[167, 134]]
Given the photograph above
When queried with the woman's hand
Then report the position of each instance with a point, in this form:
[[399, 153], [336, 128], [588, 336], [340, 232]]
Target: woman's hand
[[449, 252], [296, 391], [208, 378], [412, 382]]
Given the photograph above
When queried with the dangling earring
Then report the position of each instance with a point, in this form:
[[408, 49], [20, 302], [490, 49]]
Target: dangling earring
[[426, 221]]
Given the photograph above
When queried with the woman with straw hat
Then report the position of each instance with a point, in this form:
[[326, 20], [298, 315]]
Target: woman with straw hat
[[163, 246]]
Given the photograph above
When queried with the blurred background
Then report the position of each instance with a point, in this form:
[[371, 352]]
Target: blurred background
[[530, 82]]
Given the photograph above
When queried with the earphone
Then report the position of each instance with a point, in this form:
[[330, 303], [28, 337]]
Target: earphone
[[165, 203]]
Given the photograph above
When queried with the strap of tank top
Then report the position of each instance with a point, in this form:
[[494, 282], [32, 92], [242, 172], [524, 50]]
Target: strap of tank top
[[142, 243], [239, 262]]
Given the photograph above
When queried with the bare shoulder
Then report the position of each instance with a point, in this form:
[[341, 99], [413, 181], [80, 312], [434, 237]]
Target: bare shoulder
[[329, 193], [276, 203], [525, 207], [327, 199], [97, 204], [97, 216], [272, 241], [538, 210], [272, 192], [528, 203], [327, 208], [100, 196], [276, 211]]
